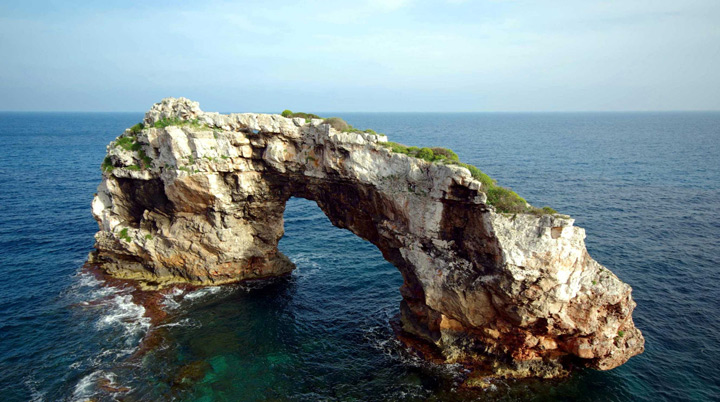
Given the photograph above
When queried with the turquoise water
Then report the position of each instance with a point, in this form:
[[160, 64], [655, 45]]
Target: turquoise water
[[646, 186]]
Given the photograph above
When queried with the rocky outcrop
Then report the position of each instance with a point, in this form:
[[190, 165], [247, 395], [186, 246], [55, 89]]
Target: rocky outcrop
[[199, 197]]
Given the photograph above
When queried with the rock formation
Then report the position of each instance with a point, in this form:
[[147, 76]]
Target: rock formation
[[190, 196]]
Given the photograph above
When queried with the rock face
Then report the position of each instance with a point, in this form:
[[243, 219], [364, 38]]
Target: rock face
[[201, 200]]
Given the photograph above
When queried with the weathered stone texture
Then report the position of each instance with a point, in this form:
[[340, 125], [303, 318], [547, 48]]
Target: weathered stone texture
[[518, 293]]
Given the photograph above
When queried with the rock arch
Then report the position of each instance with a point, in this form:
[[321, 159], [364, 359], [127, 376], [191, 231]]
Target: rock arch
[[199, 197]]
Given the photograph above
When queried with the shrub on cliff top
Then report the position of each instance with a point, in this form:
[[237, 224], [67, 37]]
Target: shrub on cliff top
[[337, 123], [137, 128], [426, 154], [445, 153], [503, 199], [307, 116], [506, 200], [175, 121]]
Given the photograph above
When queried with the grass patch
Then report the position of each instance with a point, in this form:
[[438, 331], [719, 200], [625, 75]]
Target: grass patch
[[124, 235], [175, 121], [146, 161], [307, 116], [543, 211], [352, 129], [503, 199], [446, 153], [148, 236], [137, 128], [506, 200], [128, 143], [336, 122], [435, 154], [107, 165]]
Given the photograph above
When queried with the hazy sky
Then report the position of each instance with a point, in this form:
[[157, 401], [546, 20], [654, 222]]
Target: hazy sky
[[374, 55]]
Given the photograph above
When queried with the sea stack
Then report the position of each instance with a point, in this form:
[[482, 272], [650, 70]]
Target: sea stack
[[195, 197]]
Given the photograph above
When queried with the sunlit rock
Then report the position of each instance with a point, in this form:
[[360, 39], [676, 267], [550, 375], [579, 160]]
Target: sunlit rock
[[199, 197]]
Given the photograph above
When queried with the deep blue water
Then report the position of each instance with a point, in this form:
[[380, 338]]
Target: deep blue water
[[646, 186]]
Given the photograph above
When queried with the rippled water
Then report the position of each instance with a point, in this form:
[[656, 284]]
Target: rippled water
[[645, 186]]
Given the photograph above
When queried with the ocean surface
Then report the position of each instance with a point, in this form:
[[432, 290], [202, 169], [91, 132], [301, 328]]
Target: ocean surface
[[646, 186]]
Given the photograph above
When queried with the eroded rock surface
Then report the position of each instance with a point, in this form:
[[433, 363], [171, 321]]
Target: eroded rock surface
[[202, 201]]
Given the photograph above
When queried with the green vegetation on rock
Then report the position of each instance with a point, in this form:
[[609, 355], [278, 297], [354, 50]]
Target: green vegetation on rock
[[175, 121], [137, 128], [503, 199], [307, 116], [107, 165], [336, 123], [128, 143], [146, 161], [124, 235], [341, 125], [436, 154], [446, 153]]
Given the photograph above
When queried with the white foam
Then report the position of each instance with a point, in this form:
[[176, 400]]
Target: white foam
[[117, 313], [185, 322], [170, 303], [196, 294], [170, 300], [87, 280], [85, 388], [88, 288], [127, 315]]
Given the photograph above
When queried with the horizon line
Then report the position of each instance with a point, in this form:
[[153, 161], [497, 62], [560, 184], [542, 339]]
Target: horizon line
[[399, 112]]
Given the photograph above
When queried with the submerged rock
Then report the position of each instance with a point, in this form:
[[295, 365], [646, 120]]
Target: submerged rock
[[198, 197]]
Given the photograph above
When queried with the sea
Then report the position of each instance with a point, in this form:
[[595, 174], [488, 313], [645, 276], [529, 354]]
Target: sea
[[645, 186]]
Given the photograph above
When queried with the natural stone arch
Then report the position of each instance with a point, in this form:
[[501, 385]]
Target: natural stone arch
[[199, 197]]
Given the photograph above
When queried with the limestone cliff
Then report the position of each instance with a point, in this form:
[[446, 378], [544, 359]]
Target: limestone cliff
[[190, 196]]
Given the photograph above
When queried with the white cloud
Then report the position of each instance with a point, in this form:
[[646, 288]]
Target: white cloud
[[518, 55]]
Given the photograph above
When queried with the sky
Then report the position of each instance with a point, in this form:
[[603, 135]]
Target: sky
[[361, 55]]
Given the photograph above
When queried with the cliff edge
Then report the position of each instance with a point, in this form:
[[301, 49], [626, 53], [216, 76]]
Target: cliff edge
[[190, 196]]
